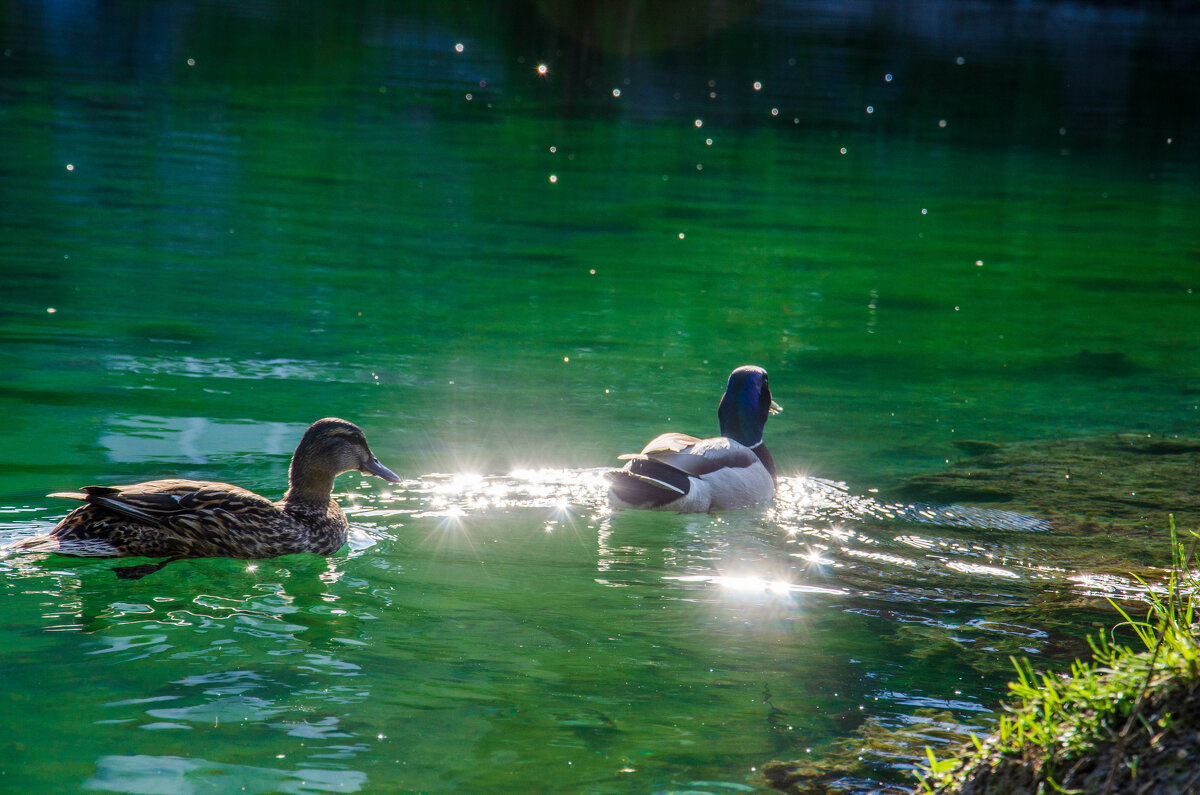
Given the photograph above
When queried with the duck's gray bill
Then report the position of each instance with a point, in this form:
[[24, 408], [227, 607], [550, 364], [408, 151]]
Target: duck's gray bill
[[375, 468], [775, 408]]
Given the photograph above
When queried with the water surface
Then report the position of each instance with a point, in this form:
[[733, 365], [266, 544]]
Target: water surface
[[930, 223]]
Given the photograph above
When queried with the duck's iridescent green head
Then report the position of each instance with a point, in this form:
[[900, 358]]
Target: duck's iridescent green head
[[746, 405]]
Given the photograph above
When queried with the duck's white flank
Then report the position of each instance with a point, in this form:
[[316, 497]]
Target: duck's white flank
[[729, 486]]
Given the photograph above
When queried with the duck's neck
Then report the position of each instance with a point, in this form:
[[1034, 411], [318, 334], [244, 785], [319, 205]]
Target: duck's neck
[[308, 485], [764, 455], [740, 422]]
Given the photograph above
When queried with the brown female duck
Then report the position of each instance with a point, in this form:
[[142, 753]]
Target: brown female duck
[[197, 519]]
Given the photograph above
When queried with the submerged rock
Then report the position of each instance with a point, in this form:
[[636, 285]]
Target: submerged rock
[[1102, 499], [1122, 483]]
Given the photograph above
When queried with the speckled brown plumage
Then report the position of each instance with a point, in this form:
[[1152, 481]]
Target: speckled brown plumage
[[193, 519]]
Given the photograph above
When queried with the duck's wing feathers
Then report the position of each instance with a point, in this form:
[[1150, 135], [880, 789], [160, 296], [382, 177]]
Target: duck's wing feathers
[[695, 457], [175, 504], [680, 472]]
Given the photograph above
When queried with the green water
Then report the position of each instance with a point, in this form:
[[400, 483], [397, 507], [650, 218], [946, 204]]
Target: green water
[[506, 291]]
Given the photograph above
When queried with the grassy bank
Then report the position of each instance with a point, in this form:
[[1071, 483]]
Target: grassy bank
[[1128, 721]]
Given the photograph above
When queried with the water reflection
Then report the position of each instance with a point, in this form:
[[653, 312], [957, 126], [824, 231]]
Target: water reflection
[[370, 204], [817, 533], [523, 595], [815, 528], [143, 773], [450, 49], [194, 440], [753, 585]]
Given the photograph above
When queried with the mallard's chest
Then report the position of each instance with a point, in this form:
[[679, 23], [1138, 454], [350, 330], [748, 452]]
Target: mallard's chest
[[316, 528]]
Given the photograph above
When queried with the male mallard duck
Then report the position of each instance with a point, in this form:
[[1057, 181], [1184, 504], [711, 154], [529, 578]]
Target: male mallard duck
[[677, 472], [199, 519]]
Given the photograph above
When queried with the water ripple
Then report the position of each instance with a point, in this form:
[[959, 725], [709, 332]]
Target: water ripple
[[211, 367], [143, 773], [815, 528], [858, 543]]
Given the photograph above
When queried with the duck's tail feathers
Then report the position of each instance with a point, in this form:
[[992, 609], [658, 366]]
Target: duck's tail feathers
[[35, 544], [79, 547], [69, 495], [649, 483], [617, 476]]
